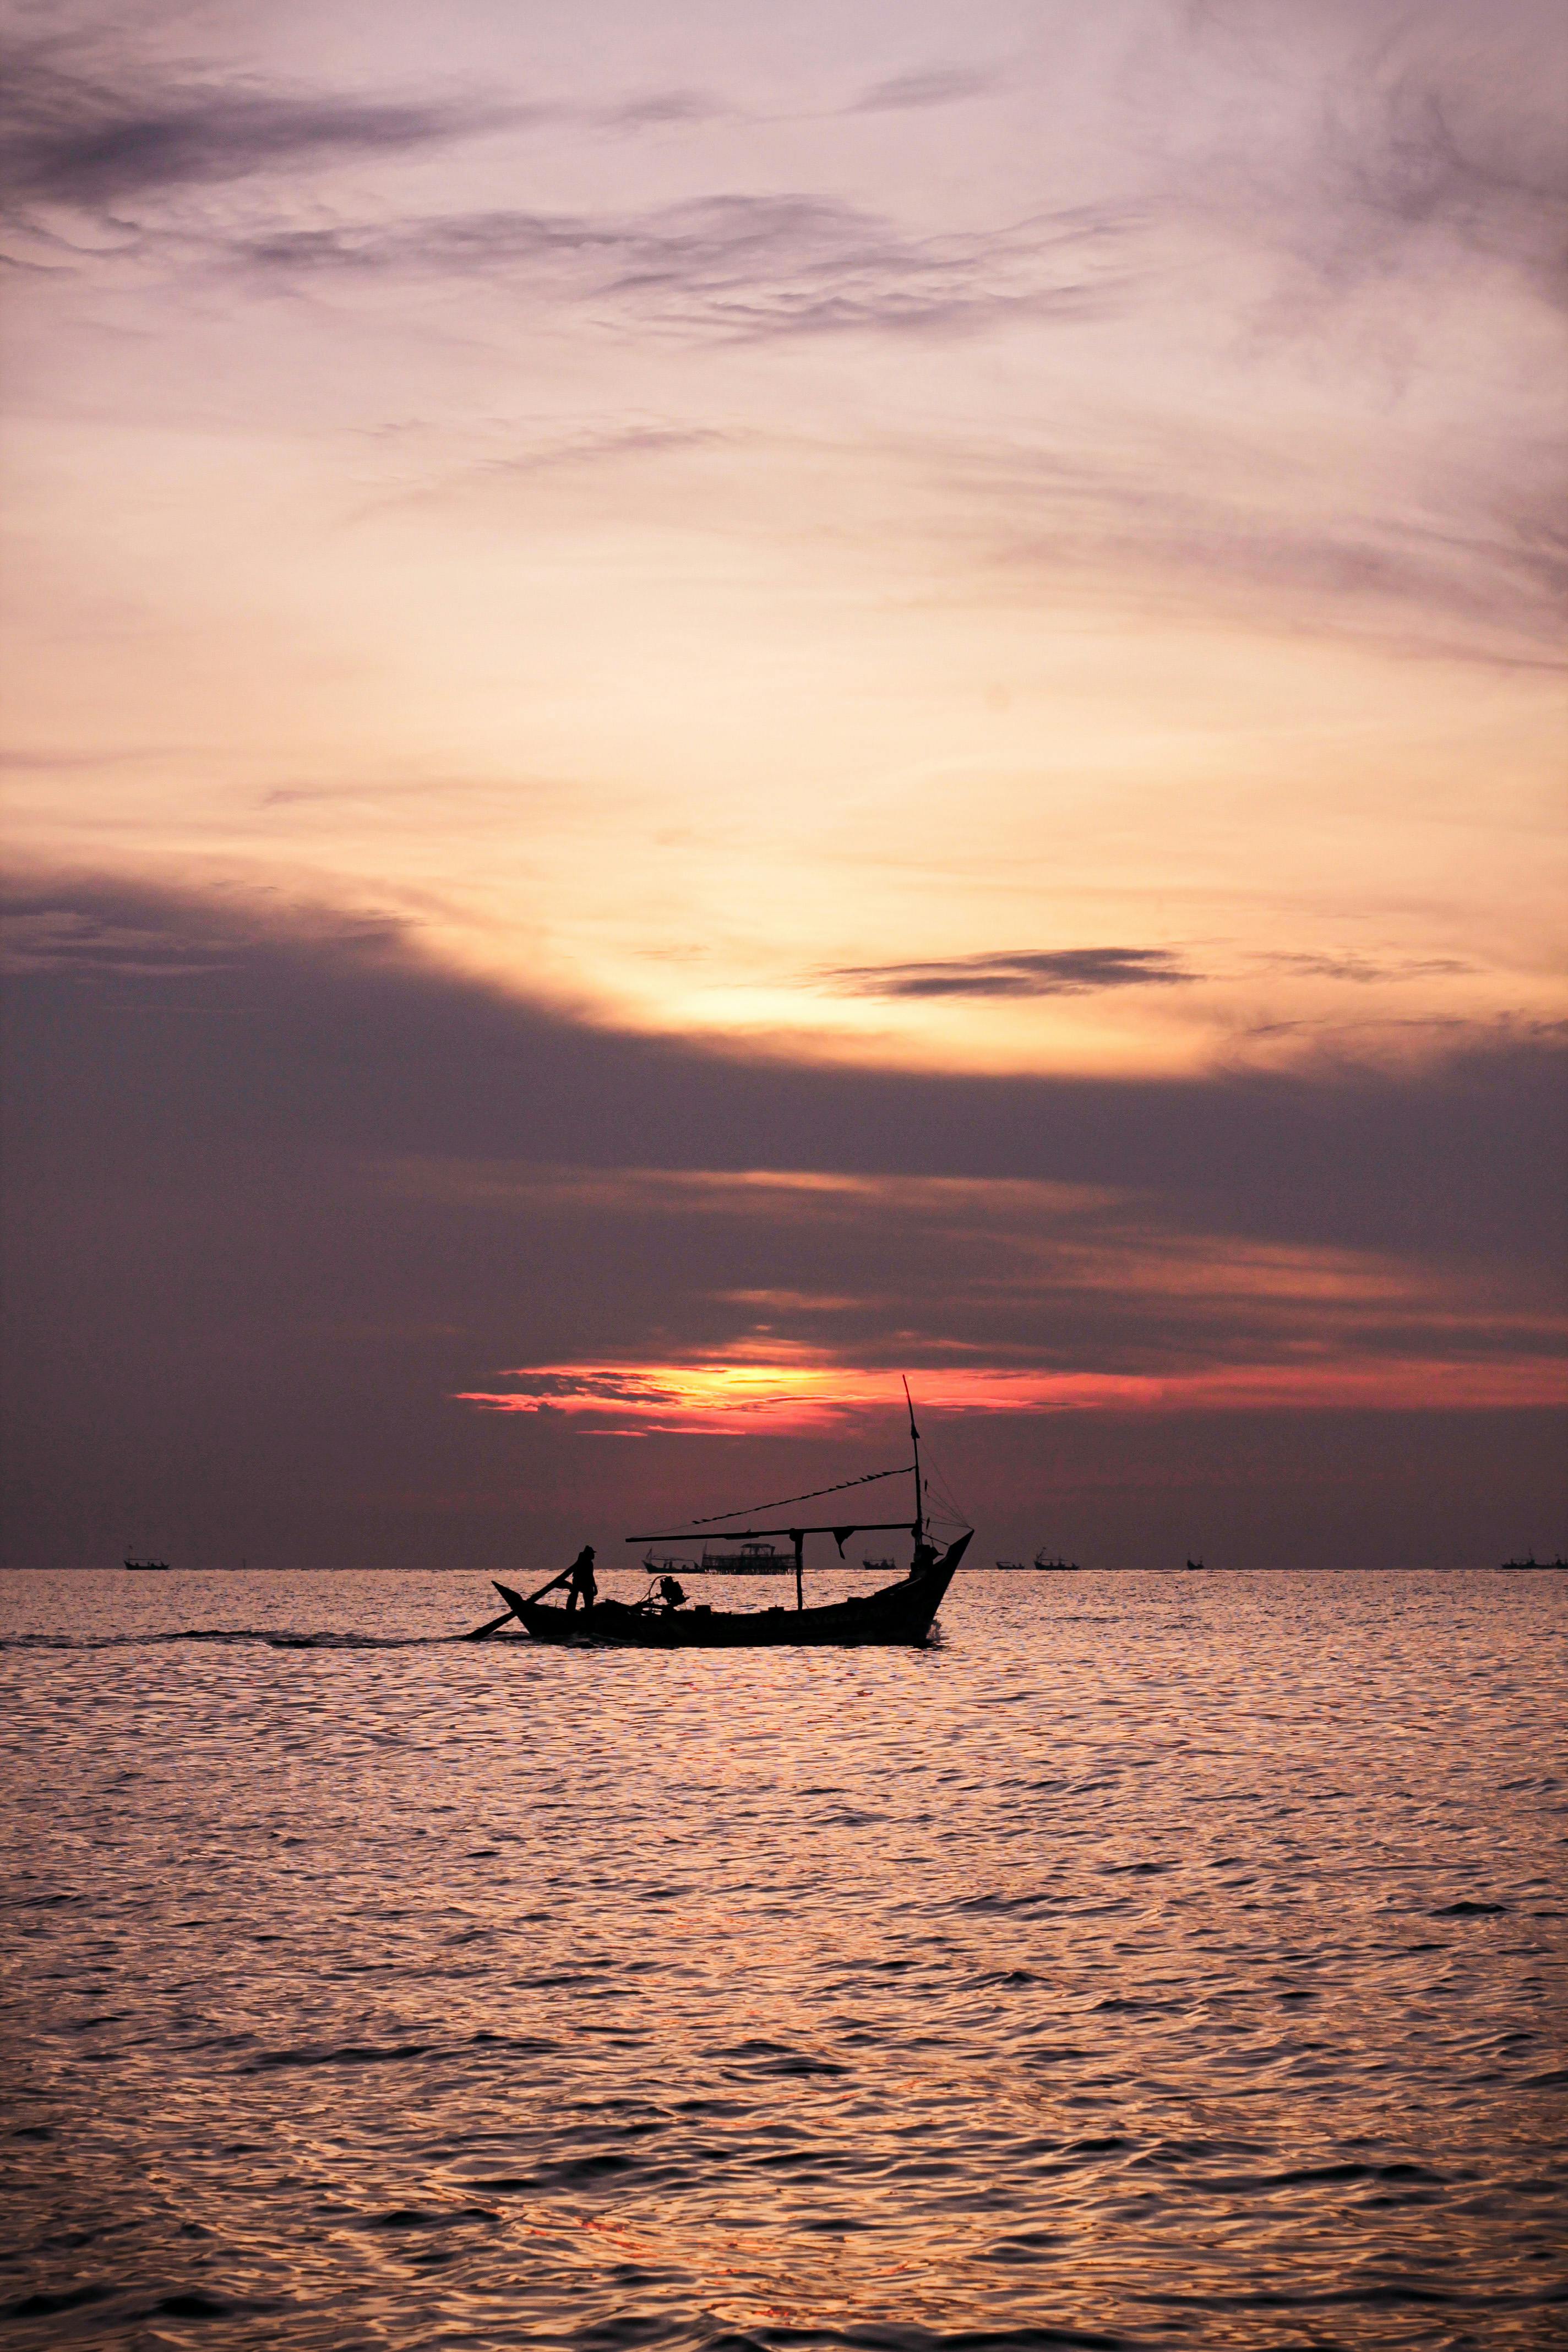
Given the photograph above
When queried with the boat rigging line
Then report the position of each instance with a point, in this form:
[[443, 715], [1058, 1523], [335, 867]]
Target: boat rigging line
[[746, 1509]]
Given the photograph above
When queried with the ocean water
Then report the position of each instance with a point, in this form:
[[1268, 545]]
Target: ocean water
[[1151, 1961]]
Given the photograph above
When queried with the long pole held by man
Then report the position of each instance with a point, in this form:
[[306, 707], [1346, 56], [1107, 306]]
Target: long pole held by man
[[583, 1593]]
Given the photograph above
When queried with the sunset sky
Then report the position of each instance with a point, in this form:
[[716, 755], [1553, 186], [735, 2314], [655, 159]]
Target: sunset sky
[[707, 703]]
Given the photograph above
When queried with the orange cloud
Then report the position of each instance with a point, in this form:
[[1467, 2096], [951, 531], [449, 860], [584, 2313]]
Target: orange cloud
[[800, 1399]]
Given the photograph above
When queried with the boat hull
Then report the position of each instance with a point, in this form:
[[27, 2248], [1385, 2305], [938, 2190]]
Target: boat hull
[[900, 1616]]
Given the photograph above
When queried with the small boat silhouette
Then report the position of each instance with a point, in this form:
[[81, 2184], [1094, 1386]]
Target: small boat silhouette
[[751, 1560]]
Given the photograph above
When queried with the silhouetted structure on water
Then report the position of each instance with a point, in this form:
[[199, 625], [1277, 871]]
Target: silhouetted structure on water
[[899, 1613]]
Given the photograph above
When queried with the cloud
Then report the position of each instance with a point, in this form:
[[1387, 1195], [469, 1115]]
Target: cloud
[[1433, 155], [730, 265], [1023, 1293], [659, 107], [44, 935], [78, 141], [1366, 970], [733, 265], [79, 935], [724, 1399], [278, 1191], [1374, 145], [716, 1399], [1059, 971], [930, 86], [1468, 563], [1338, 192], [329, 1034]]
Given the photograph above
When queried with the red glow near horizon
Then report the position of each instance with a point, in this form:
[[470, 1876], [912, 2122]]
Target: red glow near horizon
[[815, 1400]]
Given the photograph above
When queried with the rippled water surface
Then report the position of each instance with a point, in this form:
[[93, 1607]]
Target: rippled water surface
[[1151, 1961]]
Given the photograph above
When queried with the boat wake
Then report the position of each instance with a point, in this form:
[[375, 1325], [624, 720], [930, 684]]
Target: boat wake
[[270, 1637]]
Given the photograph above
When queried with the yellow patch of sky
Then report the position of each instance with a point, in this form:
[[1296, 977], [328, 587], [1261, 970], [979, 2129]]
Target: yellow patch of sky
[[684, 777]]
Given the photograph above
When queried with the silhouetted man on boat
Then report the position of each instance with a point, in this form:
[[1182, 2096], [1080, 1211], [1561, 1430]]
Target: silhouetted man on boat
[[580, 1581]]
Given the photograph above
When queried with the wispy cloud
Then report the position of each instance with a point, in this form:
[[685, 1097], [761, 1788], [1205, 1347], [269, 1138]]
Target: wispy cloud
[[658, 109], [1366, 970], [733, 265], [70, 139], [928, 86], [41, 936], [1373, 147], [1410, 160], [727, 1400], [597, 445], [1469, 559], [69, 933], [1035, 972]]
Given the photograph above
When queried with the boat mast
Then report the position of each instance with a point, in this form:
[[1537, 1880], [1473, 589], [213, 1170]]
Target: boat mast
[[915, 1440], [860, 1527]]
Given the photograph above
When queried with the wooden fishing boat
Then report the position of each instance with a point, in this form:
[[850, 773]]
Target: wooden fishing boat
[[900, 1614]]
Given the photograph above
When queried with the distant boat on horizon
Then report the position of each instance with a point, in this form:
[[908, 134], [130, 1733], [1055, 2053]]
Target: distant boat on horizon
[[1054, 1560], [140, 1567], [1531, 1562], [751, 1560]]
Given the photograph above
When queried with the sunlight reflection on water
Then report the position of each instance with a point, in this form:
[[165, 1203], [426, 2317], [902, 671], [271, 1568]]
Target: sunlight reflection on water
[[1152, 1962]]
